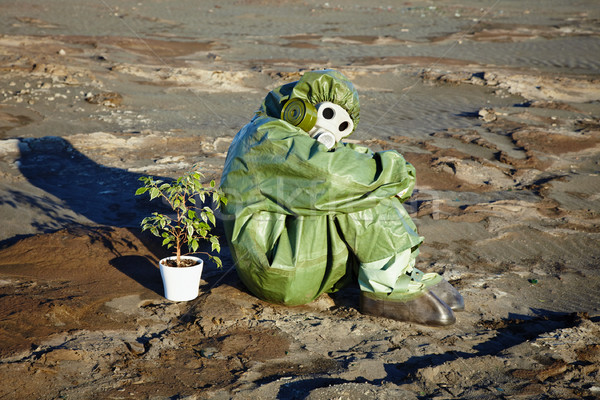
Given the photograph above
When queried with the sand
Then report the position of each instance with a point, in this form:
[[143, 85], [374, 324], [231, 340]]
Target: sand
[[496, 103]]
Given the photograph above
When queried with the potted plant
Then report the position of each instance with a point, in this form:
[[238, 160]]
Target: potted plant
[[186, 226]]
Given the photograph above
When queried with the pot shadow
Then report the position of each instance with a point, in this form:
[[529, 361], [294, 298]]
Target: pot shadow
[[142, 270]]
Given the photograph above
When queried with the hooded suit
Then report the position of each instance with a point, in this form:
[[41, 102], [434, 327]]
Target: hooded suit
[[302, 220]]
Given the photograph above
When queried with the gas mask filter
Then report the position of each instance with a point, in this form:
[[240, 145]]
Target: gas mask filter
[[326, 122]]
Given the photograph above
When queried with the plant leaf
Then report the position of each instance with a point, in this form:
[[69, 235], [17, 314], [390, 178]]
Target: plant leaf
[[141, 190], [154, 193], [214, 240], [203, 215], [217, 261], [211, 217]]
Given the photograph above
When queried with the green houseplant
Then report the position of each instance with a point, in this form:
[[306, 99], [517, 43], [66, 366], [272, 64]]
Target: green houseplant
[[189, 223]]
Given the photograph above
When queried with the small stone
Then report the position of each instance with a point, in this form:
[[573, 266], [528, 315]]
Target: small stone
[[208, 352], [487, 114], [62, 52], [9, 146], [136, 348], [475, 80], [107, 99]]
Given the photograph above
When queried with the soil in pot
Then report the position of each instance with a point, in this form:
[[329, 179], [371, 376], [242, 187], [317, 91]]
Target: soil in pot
[[185, 262]]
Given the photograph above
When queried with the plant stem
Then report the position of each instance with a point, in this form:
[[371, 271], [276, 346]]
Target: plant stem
[[178, 246], [179, 241]]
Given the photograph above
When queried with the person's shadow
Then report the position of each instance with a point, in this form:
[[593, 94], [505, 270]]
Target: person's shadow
[[103, 195]]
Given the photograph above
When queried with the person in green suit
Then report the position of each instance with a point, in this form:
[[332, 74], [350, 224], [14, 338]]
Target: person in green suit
[[307, 213]]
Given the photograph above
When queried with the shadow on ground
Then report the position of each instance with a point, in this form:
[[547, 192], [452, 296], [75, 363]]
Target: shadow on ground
[[104, 195]]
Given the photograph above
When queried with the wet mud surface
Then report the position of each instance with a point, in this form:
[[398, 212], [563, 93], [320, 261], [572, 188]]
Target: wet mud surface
[[496, 103]]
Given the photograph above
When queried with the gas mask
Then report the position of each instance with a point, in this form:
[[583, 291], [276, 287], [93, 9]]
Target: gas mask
[[326, 122]]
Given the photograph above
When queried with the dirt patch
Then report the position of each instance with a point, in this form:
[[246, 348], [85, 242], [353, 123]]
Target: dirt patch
[[553, 143], [258, 345], [60, 282], [438, 178], [414, 60], [161, 48], [9, 121]]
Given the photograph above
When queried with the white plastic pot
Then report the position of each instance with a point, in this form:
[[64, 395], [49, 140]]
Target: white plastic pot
[[181, 284]]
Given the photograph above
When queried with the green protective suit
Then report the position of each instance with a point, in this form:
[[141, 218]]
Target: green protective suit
[[302, 220]]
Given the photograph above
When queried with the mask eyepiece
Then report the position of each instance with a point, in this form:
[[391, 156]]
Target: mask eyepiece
[[328, 113]]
